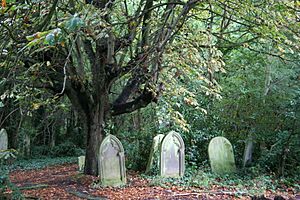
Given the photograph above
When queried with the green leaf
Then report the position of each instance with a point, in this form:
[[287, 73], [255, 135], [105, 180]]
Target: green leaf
[[37, 35], [34, 42], [74, 23], [50, 39]]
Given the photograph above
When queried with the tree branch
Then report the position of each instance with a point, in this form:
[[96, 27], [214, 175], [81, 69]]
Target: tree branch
[[141, 101], [47, 20]]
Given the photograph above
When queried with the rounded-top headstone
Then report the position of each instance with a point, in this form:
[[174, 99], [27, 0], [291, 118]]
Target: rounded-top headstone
[[221, 156]]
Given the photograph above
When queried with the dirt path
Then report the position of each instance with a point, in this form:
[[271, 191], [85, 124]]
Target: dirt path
[[64, 182]]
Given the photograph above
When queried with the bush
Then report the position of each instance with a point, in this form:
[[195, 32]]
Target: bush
[[40, 151], [66, 149], [196, 144], [281, 156], [137, 149]]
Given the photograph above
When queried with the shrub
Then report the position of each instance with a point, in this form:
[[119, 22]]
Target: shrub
[[66, 149]]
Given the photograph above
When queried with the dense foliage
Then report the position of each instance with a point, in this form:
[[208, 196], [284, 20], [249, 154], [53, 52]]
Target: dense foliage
[[69, 69]]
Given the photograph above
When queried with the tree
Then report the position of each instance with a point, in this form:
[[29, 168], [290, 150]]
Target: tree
[[97, 45], [107, 56]]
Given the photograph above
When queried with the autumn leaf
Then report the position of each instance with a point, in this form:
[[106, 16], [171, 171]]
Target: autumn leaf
[[3, 4], [36, 106]]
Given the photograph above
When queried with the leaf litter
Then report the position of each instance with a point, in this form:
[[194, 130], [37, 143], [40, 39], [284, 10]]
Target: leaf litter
[[65, 182]]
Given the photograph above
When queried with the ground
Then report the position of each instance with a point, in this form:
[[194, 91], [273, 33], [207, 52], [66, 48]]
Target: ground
[[65, 182]]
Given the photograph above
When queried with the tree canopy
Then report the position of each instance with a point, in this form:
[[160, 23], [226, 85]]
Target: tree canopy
[[115, 57]]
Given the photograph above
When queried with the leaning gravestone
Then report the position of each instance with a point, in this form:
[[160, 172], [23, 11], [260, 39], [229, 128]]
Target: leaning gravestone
[[154, 153], [247, 157], [221, 156], [111, 164], [3, 140], [172, 155]]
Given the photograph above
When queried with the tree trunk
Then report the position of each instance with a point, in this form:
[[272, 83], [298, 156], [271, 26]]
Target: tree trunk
[[136, 119], [15, 141], [95, 135], [26, 146], [52, 139], [284, 153]]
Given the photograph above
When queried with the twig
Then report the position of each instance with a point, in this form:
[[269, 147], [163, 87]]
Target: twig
[[47, 19], [65, 66], [211, 192], [86, 196], [31, 187], [187, 194], [30, 197], [8, 116]]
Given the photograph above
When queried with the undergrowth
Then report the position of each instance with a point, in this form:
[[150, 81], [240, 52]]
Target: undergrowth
[[38, 163], [250, 181]]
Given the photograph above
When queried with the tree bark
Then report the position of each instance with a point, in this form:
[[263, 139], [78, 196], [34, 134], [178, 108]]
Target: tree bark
[[95, 134], [26, 146]]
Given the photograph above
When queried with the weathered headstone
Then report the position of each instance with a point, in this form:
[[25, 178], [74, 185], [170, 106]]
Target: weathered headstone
[[111, 164], [154, 153], [81, 161], [221, 156], [172, 155], [247, 157], [3, 140]]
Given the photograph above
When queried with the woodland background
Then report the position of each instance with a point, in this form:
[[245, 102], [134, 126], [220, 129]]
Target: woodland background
[[202, 68]]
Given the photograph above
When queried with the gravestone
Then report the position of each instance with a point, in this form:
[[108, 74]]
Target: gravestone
[[81, 161], [3, 140], [247, 157], [154, 153], [111, 162], [221, 156], [172, 155]]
